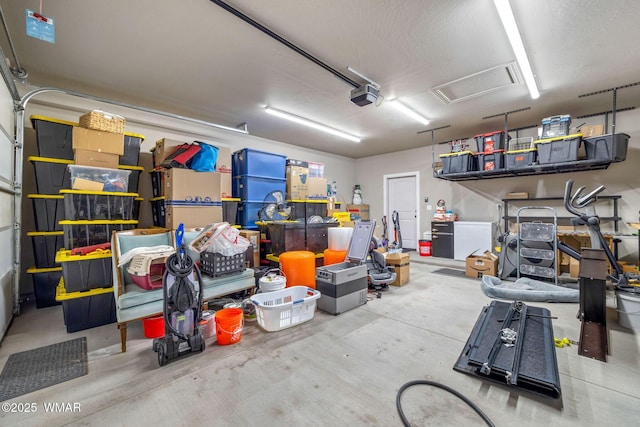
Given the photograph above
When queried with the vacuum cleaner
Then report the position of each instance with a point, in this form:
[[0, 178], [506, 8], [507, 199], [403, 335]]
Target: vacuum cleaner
[[182, 308]]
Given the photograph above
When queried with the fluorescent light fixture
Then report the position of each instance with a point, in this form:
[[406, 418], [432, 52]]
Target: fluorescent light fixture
[[509, 23], [409, 111], [311, 124]]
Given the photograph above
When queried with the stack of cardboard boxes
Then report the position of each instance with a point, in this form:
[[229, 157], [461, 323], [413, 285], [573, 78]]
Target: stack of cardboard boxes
[[187, 196], [305, 181]]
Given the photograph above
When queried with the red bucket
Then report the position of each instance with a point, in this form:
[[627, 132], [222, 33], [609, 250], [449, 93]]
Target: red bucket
[[424, 247], [153, 327]]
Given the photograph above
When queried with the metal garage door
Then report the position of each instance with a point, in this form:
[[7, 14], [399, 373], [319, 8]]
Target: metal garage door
[[9, 227]]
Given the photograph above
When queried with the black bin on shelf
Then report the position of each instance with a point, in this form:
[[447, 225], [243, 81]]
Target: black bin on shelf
[[53, 137], [607, 147], [490, 161], [52, 175], [45, 281], [131, 155], [85, 310], [45, 245], [48, 210]]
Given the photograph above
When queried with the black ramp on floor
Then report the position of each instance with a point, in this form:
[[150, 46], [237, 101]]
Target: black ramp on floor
[[537, 370], [43, 367]]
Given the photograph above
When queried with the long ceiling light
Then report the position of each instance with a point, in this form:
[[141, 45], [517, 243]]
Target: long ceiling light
[[409, 111], [509, 23], [311, 124]]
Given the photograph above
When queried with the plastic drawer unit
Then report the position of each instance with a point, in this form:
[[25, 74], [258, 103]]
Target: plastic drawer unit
[[85, 272], [85, 310], [93, 205], [48, 210], [45, 281]]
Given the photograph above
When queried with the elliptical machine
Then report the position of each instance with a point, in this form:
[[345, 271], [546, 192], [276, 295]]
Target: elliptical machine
[[182, 309]]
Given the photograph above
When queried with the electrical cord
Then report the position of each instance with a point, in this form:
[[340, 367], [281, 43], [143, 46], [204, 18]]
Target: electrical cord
[[405, 386]]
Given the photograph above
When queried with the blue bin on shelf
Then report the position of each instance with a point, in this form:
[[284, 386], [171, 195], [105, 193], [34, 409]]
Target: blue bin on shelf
[[248, 213], [255, 188], [259, 164]]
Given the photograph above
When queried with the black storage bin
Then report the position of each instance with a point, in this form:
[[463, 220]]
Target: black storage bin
[[134, 177], [491, 160], [317, 236], [131, 155], [462, 161], [88, 233], [287, 236], [45, 245], [520, 158], [558, 150], [85, 272], [92, 205], [45, 281], [490, 141], [136, 207], [158, 212], [52, 175], [305, 209], [85, 310], [48, 210], [156, 182], [607, 147], [230, 210], [54, 137]]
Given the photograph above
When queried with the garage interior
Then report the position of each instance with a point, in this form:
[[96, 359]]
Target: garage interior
[[211, 71]]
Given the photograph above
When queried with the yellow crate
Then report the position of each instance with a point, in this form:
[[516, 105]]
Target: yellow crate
[[103, 121]]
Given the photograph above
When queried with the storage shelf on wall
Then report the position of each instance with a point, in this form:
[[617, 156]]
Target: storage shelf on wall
[[545, 169]]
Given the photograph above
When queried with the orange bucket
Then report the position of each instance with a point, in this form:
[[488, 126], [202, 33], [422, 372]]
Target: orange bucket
[[334, 257], [153, 327], [229, 324], [299, 267]]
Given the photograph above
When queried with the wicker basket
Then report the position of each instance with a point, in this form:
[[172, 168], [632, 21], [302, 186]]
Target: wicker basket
[[103, 121]]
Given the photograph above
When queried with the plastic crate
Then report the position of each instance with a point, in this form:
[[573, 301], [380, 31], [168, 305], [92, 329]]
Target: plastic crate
[[520, 158], [45, 281], [490, 161], [158, 211], [135, 213], [92, 205], [259, 164], [45, 244], [100, 179], [522, 143], [285, 308], [132, 143], [490, 141], [556, 126], [248, 214], [215, 264], [287, 236], [48, 209], [463, 161], [52, 174], [157, 182], [85, 310], [134, 177], [230, 210], [84, 272], [558, 150], [607, 147], [256, 188], [53, 137], [88, 233]]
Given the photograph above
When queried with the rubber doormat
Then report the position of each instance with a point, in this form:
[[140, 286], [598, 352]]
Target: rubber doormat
[[450, 272], [43, 367]]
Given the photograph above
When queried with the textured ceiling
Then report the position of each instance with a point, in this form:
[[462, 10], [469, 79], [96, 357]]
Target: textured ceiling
[[194, 58]]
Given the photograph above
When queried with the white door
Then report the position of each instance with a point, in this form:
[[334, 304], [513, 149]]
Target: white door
[[402, 198], [8, 275]]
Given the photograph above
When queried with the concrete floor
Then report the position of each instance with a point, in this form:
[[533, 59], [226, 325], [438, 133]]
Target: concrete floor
[[333, 370]]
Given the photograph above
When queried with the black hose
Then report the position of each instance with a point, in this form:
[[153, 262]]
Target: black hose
[[405, 386]]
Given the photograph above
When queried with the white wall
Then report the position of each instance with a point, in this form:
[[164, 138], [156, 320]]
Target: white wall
[[477, 200]]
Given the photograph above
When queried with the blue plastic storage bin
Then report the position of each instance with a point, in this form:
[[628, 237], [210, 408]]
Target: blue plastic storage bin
[[255, 188], [248, 213], [258, 163]]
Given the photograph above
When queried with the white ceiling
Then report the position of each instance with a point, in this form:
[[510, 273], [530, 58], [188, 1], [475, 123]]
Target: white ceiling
[[193, 58]]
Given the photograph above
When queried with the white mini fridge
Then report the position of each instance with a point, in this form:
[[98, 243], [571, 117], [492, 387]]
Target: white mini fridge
[[471, 236]]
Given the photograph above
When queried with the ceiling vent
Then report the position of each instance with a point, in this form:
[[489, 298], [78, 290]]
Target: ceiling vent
[[479, 83]]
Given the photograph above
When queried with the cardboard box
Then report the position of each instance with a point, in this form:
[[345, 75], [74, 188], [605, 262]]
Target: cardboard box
[[192, 216], [225, 185], [87, 184], [361, 211], [399, 261], [317, 188], [192, 186], [593, 130], [164, 147], [223, 163], [95, 158], [297, 174], [254, 237], [518, 195], [477, 265], [95, 140]]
